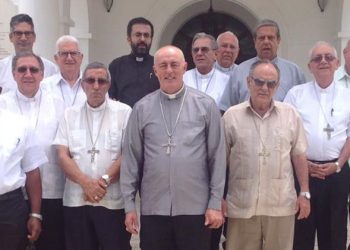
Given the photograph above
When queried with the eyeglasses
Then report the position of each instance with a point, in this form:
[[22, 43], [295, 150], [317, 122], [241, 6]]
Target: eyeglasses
[[19, 34], [327, 57], [66, 53], [24, 69], [260, 82], [100, 81], [195, 50]]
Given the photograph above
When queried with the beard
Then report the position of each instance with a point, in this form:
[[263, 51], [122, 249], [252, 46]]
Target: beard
[[140, 49]]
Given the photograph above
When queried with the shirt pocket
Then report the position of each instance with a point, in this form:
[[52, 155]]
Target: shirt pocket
[[77, 142], [113, 141], [9, 145]]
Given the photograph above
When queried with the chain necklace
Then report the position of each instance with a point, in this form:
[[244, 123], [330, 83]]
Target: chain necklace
[[211, 77], [93, 150], [264, 153], [21, 111], [329, 129], [170, 144], [75, 95]]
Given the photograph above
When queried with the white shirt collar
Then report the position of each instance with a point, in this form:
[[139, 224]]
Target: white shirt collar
[[23, 98]]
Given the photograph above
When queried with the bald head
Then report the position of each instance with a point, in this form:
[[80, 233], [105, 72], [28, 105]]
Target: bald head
[[166, 50], [170, 66], [228, 49]]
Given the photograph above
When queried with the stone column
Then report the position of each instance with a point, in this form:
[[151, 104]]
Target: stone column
[[344, 34], [46, 20]]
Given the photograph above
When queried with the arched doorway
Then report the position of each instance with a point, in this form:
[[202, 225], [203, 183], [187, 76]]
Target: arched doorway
[[214, 23]]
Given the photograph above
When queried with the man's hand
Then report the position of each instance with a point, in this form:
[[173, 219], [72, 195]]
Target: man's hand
[[34, 228], [321, 171], [94, 191], [132, 223], [315, 170], [328, 168], [303, 206], [213, 218]]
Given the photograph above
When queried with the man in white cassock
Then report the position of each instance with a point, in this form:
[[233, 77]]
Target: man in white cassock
[[205, 76]]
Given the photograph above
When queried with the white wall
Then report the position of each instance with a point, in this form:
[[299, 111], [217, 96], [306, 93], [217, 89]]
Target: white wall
[[301, 22]]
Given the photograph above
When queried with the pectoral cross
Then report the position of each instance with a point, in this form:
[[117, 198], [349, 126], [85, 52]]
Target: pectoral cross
[[169, 145], [93, 151], [328, 130], [264, 154]]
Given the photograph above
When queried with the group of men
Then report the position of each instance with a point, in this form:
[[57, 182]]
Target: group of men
[[81, 145]]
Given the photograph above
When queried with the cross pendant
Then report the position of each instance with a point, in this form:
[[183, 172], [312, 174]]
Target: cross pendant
[[264, 154], [169, 145], [328, 130], [93, 151]]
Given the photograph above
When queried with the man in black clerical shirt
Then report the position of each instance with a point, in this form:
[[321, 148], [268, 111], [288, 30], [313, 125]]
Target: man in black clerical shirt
[[132, 75]]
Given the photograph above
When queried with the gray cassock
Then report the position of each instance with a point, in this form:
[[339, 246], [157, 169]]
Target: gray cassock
[[191, 177]]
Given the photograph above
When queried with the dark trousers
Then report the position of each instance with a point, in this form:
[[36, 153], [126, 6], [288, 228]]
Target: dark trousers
[[328, 215], [52, 234], [95, 228], [183, 232], [13, 220]]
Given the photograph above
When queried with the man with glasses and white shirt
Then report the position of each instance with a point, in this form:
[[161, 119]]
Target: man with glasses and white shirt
[[43, 112], [23, 36], [323, 106], [89, 142], [66, 84], [205, 76]]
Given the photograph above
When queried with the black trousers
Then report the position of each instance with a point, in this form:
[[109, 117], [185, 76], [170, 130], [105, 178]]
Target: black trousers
[[52, 234], [95, 228], [13, 220], [328, 215], [183, 232]]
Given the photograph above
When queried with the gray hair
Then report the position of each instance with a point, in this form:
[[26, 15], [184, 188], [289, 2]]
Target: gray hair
[[267, 23], [264, 61], [26, 54], [97, 65], [66, 38], [226, 32], [322, 43], [214, 45]]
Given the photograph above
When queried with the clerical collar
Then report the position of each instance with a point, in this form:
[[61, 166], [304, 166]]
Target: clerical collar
[[223, 69], [24, 98], [97, 109], [139, 59], [206, 75], [62, 80], [176, 95], [329, 89]]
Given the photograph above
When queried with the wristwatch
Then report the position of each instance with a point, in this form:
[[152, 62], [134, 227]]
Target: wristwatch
[[307, 195], [338, 167], [106, 178], [36, 215]]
